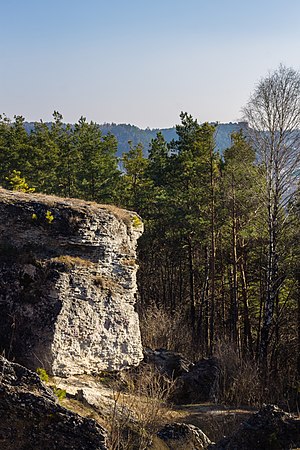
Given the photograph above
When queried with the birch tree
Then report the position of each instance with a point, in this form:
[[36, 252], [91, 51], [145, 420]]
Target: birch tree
[[273, 115]]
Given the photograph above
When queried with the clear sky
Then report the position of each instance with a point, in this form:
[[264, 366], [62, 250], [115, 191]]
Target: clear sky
[[141, 62]]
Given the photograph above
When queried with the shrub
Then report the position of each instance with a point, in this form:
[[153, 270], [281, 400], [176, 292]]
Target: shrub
[[165, 328], [139, 409], [18, 183], [42, 374], [60, 393], [136, 222], [49, 217], [240, 382]]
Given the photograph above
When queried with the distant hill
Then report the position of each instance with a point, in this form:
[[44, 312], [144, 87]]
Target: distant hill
[[126, 132]]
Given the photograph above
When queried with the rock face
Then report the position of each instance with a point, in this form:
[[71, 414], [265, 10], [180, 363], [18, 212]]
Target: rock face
[[268, 429], [200, 384], [182, 436], [31, 418], [167, 362], [194, 383], [68, 284]]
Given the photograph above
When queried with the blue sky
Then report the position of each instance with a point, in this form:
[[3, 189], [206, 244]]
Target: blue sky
[[141, 62]]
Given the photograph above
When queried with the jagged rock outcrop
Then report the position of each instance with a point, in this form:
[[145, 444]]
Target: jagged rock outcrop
[[32, 419], [68, 284], [268, 429]]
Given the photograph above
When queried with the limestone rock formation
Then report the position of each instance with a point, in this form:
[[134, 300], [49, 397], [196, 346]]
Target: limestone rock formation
[[32, 419], [68, 284]]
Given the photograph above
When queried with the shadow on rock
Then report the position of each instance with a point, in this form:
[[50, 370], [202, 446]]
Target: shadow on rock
[[268, 429], [32, 419]]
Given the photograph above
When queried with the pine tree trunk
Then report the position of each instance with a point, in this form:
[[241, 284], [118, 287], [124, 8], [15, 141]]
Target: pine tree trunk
[[192, 286], [234, 272], [248, 345], [212, 259]]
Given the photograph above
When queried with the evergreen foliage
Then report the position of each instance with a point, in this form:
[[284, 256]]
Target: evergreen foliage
[[204, 253]]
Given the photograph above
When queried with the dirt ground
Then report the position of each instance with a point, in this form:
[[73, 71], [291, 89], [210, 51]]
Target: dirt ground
[[216, 421]]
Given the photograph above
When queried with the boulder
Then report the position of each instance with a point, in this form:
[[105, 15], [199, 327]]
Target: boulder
[[200, 384], [167, 362], [182, 436], [268, 429], [68, 284], [32, 419]]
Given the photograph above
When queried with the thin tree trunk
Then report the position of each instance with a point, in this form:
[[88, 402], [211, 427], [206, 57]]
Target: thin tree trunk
[[234, 271], [212, 258], [248, 345], [298, 330], [201, 333], [272, 279], [192, 286], [261, 302]]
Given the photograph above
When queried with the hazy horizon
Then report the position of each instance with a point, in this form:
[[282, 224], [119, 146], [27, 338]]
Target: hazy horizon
[[124, 123], [141, 63]]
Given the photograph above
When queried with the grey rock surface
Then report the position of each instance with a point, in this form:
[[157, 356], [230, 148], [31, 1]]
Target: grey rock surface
[[200, 384], [68, 284], [31, 418], [89, 391], [183, 436], [268, 429], [169, 363]]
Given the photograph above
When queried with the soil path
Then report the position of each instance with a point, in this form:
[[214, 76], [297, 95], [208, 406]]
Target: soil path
[[216, 421]]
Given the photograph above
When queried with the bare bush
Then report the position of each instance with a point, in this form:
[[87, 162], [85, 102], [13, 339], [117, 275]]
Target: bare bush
[[139, 410], [163, 328], [240, 382]]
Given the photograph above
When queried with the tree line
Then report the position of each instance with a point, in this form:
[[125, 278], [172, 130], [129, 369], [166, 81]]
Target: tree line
[[221, 244]]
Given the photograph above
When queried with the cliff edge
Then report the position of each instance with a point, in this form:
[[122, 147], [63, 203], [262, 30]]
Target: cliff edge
[[68, 284]]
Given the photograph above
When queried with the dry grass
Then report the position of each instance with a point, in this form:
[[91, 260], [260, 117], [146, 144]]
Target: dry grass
[[71, 261], [138, 407], [128, 262], [106, 283], [215, 421], [240, 380], [121, 214], [83, 410], [139, 410], [79, 205]]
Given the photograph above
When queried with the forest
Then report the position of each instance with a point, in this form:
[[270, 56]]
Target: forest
[[219, 259]]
